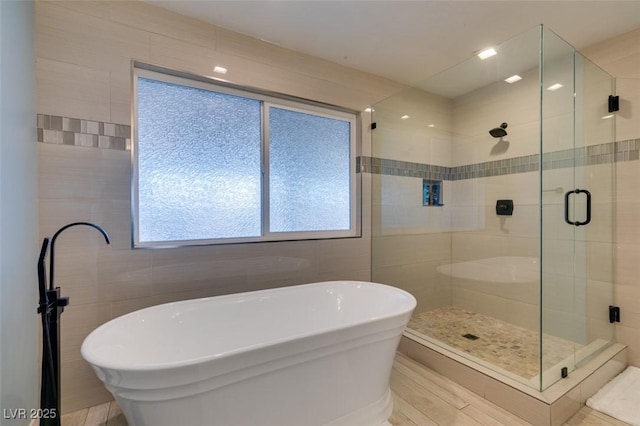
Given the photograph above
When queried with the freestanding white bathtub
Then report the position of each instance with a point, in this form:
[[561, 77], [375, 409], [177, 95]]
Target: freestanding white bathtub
[[314, 354]]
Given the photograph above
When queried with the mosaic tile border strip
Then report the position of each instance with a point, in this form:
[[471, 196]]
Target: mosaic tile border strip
[[86, 133], [383, 166], [98, 134], [628, 150]]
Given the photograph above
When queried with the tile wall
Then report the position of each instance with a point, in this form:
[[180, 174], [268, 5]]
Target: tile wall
[[410, 240], [478, 170], [83, 68], [620, 56]]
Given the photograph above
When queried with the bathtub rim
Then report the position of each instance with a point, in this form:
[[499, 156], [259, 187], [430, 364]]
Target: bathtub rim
[[90, 358]]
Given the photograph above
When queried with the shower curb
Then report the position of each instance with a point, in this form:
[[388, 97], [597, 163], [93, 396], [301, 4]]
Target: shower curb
[[553, 407]]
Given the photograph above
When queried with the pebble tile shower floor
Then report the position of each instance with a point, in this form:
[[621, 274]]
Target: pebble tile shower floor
[[512, 348]]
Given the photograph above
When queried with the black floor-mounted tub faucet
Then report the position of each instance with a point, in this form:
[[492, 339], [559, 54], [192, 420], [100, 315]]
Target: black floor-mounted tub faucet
[[50, 307]]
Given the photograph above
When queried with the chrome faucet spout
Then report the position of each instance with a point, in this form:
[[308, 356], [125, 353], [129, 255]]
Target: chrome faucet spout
[[53, 242]]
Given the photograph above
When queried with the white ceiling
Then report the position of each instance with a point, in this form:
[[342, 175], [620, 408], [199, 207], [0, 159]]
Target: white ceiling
[[408, 41]]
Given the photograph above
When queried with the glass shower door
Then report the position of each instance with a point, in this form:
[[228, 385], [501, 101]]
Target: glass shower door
[[594, 171], [576, 199]]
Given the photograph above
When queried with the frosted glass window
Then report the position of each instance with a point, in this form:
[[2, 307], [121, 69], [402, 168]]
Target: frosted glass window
[[309, 172], [217, 163], [199, 163]]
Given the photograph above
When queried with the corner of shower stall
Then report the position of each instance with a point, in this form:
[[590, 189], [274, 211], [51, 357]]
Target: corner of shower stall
[[493, 204]]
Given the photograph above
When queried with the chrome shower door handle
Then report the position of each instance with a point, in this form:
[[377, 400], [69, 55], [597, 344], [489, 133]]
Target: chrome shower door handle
[[566, 207]]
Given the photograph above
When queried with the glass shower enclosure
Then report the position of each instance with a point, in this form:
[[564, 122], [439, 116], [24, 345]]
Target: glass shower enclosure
[[492, 203]]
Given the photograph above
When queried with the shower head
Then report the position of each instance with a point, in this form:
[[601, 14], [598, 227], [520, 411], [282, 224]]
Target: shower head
[[499, 132]]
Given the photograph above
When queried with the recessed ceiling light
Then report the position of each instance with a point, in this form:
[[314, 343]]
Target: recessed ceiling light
[[555, 86], [487, 53], [405, 117], [513, 79], [431, 125], [220, 70], [368, 109]]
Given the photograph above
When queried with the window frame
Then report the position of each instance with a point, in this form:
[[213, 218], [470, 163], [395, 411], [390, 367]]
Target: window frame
[[267, 100]]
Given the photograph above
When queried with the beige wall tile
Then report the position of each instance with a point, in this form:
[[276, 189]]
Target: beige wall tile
[[196, 268], [627, 182], [422, 280], [55, 213], [344, 254], [235, 268], [512, 311], [71, 90], [69, 172], [155, 20], [614, 49], [470, 246], [599, 296], [83, 71], [474, 112], [627, 125], [282, 80], [126, 273], [524, 246], [630, 336], [76, 264], [627, 229], [120, 97], [433, 246], [80, 387], [420, 143], [628, 298], [182, 56], [84, 54], [365, 205], [600, 259], [525, 289], [432, 297], [91, 8], [76, 324], [393, 250], [523, 223], [112, 215], [620, 56], [626, 67], [362, 275], [557, 292], [236, 44], [123, 307], [76, 38]]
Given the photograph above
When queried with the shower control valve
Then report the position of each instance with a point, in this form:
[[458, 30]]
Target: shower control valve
[[504, 207]]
